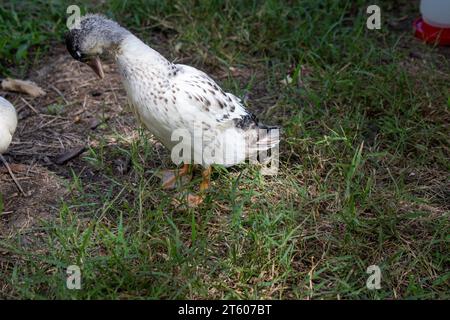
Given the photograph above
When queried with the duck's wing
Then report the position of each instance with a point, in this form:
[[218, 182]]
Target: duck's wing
[[202, 96], [233, 132]]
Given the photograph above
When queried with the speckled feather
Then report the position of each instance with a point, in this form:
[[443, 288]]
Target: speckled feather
[[171, 96]]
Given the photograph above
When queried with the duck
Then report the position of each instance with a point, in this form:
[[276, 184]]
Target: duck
[[8, 125], [182, 106]]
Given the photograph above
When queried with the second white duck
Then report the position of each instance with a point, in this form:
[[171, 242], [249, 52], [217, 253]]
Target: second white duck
[[8, 124]]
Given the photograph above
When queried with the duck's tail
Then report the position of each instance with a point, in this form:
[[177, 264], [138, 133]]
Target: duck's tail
[[262, 138]]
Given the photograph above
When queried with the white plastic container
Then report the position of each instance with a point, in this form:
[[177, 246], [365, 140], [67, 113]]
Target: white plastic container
[[436, 12]]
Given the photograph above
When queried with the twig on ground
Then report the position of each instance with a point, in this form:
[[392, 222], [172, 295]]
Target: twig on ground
[[12, 175]]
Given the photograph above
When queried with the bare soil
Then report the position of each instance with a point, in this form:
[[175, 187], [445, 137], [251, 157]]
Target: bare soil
[[52, 131]]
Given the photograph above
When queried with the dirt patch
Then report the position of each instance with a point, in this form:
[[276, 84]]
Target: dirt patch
[[77, 110], [76, 103], [43, 191]]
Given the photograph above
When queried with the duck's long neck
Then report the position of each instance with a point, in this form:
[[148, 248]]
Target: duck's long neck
[[133, 55]]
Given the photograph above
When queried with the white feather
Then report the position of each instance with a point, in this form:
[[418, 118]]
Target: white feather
[[8, 123], [170, 97]]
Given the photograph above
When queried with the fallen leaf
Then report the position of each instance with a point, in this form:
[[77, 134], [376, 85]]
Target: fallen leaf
[[22, 86]]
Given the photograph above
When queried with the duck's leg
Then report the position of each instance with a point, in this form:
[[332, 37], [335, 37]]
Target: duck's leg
[[169, 177], [195, 200], [206, 182]]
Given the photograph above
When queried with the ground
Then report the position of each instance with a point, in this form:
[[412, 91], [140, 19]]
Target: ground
[[364, 159]]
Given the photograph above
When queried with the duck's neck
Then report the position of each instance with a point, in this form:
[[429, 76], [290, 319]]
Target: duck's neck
[[134, 54]]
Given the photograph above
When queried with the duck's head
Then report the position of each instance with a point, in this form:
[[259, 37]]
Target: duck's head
[[92, 37]]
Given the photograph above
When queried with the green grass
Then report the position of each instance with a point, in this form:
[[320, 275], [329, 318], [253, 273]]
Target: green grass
[[364, 163]]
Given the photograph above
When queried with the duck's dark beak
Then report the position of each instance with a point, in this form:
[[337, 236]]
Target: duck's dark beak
[[96, 65]]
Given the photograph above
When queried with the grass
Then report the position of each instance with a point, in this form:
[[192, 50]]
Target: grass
[[363, 174]]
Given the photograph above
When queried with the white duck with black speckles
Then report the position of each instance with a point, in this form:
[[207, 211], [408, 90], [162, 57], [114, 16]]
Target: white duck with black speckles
[[171, 96]]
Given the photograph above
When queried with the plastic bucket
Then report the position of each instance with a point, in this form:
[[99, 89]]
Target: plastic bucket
[[434, 25]]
